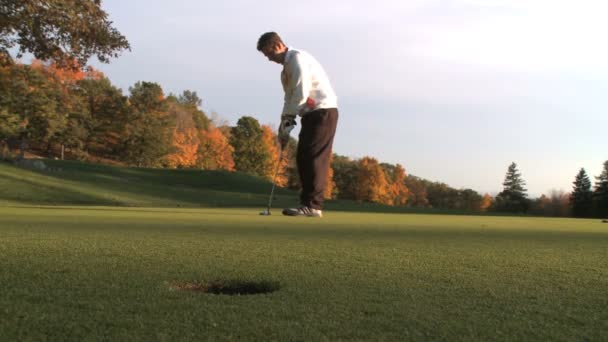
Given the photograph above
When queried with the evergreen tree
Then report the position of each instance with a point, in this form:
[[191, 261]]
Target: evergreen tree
[[581, 199], [250, 154], [600, 194], [513, 198]]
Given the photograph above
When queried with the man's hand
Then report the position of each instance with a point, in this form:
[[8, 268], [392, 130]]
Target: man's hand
[[283, 141], [288, 122]]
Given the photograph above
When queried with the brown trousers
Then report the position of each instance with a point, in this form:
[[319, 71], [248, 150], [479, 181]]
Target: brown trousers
[[314, 152]]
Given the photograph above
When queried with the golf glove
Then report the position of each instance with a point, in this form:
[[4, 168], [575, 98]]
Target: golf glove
[[288, 122]]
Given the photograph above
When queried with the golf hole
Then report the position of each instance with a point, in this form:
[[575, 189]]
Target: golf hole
[[230, 288]]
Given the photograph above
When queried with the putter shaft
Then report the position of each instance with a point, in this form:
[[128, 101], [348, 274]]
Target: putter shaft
[[274, 184]]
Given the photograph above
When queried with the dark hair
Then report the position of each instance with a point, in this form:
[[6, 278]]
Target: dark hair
[[267, 39]]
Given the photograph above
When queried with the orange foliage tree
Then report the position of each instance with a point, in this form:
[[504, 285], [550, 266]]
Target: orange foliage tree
[[269, 139], [330, 185], [215, 151], [372, 184], [398, 192], [185, 146], [185, 140], [486, 202]]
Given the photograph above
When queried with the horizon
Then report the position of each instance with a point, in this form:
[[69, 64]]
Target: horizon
[[477, 85]]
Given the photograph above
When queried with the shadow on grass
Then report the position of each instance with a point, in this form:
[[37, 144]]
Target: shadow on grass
[[226, 287], [78, 183]]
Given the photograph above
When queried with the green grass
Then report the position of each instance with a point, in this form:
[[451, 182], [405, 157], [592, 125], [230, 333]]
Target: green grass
[[77, 183], [102, 273], [94, 252]]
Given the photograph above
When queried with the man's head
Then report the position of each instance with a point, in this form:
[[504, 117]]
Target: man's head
[[271, 45]]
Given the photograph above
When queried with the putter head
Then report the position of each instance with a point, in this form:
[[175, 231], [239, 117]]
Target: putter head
[[265, 212]]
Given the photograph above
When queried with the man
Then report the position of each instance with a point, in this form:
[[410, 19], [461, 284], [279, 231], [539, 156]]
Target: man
[[308, 94]]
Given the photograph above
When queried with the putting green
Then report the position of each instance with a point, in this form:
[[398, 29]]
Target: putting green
[[105, 273]]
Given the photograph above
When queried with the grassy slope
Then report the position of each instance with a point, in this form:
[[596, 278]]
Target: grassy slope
[[103, 273], [75, 183]]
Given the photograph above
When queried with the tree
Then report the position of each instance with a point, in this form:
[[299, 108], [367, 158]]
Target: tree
[[345, 176], [418, 196], [31, 93], [441, 195], [331, 190], [250, 154], [60, 30], [486, 202], [600, 193], [215, 151], [10, 125], [397, 191], [581, 199], [513, 198], [73, 105], [269, 139], [148, 132], [109, 110], [291, 169], [185, 138], [371, 182], [469, 199], [191, 102]]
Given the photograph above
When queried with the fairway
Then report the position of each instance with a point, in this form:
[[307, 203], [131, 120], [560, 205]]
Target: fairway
[[106, 273]]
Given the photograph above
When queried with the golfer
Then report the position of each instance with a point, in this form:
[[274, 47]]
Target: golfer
[[308, 94]]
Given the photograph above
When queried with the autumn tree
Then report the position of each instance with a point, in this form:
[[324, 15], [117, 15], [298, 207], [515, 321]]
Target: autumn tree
[[185, 138], [291, 169], [269, 139], [486, 202], [58, 30], [371, 181], [331, 191], [581, 199], [215, 151], [397, 192]]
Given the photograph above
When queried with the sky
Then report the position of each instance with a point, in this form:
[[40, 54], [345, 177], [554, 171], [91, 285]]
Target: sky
[[453, 90]]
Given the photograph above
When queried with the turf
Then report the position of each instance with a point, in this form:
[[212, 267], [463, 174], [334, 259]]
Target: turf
[[107, 273], [77, 183]]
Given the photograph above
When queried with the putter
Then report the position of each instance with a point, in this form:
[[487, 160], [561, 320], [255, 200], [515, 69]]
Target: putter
[[266, 212]]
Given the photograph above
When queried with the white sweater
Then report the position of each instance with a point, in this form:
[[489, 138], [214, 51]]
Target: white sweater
[[306, 84]]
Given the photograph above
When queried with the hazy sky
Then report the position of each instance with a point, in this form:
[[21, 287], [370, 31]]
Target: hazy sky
[[452, 90]]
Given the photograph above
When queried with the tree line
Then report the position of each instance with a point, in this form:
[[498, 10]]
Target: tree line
[[583, 201], [60, 108], [77, 113]]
